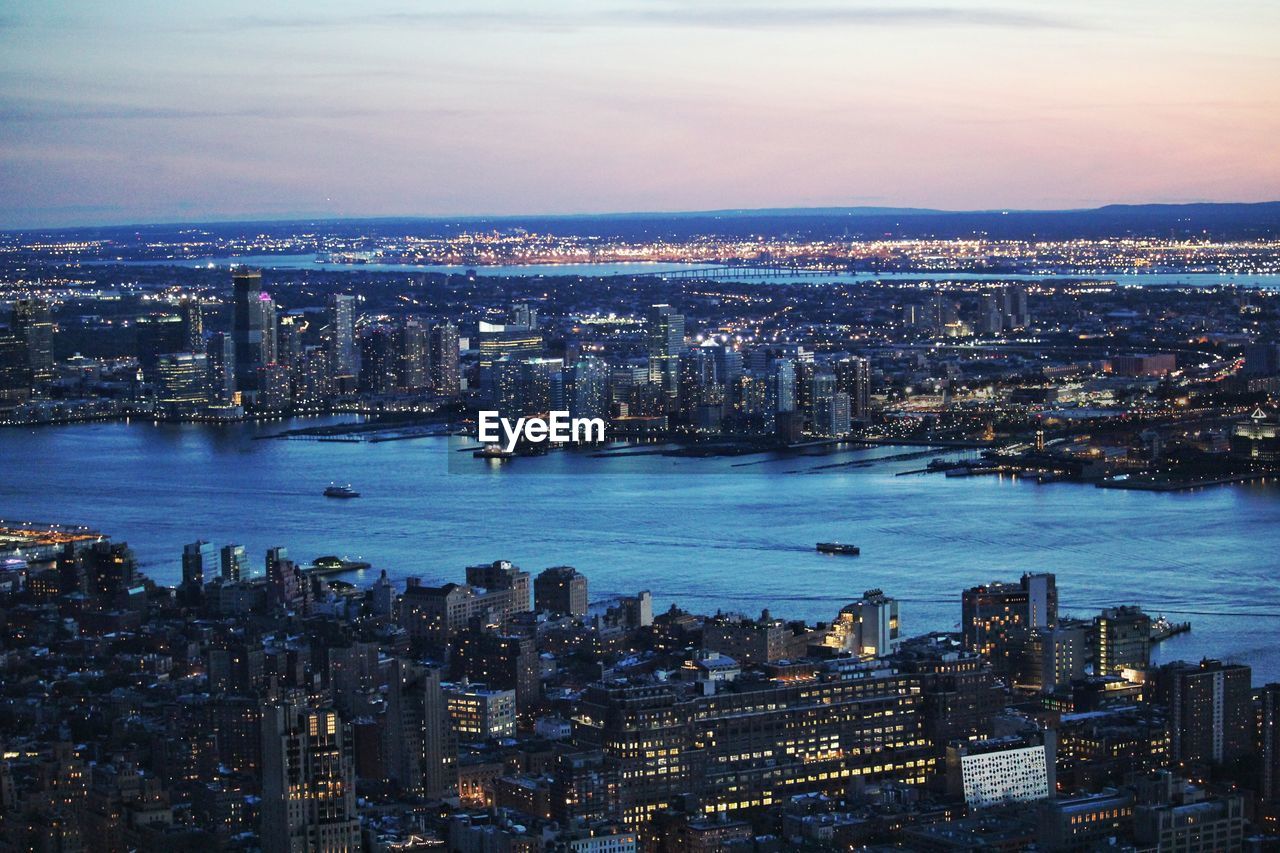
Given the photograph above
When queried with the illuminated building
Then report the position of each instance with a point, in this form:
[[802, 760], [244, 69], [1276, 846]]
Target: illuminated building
[[192, 325], [995, 618], [248, 331], [308, 782], [1123, 640], [867, 628], [666, 340], [342, 337], [233, 563], [502, 662], [1210, 709], [1015, 768], [413, 353], [479, 713], [1052, 657], [809, 735], [443, 357], [33, 325], [853, 377], [220, 357], [379, 363], [181, 380], [503, 575], [497, 342]]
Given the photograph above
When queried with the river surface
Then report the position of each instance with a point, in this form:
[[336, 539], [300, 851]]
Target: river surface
[[729, 533], [301, 262]]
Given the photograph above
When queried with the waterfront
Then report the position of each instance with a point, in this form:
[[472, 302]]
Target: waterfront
[[717, 534], [309, 262]]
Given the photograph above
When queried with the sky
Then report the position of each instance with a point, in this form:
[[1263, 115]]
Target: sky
[[129, 111]]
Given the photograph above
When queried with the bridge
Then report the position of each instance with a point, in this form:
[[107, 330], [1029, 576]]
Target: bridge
[[734, 272]]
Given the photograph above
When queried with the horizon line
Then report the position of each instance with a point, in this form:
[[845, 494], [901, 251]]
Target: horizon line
[[868, 210]]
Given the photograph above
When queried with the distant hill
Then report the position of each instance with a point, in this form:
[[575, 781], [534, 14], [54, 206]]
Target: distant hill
[[1217, 220]]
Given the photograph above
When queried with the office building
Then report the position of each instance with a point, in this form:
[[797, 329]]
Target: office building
[[503, 575], [32, 324], [853, 377], [479, 713], [665, 334], [1015, 768], [308, 782], [499, 661], [220, 361]]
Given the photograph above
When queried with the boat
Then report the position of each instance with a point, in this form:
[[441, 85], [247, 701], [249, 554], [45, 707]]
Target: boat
[[493, 451], [336, 491], [330, 565], [837, 548]]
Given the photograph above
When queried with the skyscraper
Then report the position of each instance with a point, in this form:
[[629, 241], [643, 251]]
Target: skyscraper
[[414, 355], [308, 781], [192, 325], [221, 361], [853, 377], [342, 333], [33, 325], [666, 340], [233, 562], [247, 326], [443, 358], [198, 560]]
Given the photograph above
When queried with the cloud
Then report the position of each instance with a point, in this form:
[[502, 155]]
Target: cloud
[[27, 110], [725, 16]]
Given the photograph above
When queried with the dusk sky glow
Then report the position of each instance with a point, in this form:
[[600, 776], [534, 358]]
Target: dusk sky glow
[[157, 112]]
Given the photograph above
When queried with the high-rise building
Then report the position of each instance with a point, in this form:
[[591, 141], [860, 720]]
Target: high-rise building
[[995, 618], [192, 325], [1054, 657], [853, 377], [33, 325], [15, 369], [198, 561], [342, 335], [1122, 638], [233, 563], [1210, 708], [379, 362], [666, 340], [868, 627], [784, 378], [308, 782], [221, 361], [443, 357], [182, 381], [313, 379], [561, 589], [414, 354], [1269, 740], [498, 342], [503, 575], [500, 661], [477, 712], [587, 388], [253, 327]]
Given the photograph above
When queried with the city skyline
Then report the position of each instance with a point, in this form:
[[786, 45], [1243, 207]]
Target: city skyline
[[126, 116]]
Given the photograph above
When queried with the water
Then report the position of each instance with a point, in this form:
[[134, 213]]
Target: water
[[706, 533], [299, 262]]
